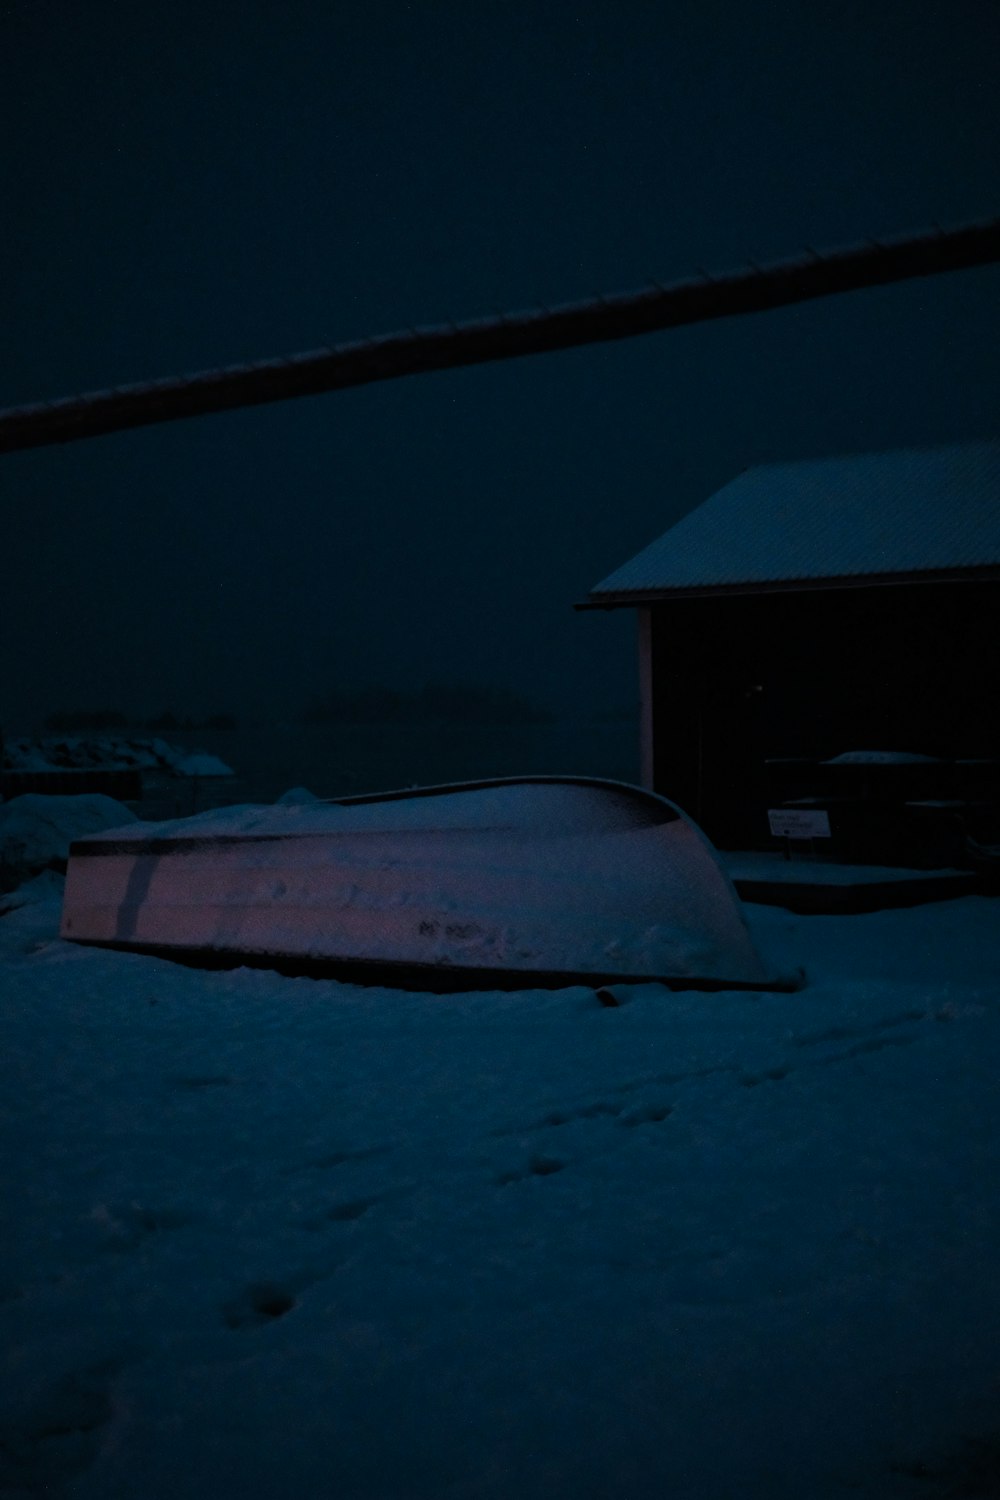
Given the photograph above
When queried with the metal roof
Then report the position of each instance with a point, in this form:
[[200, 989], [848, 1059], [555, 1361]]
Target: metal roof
[[862, 518]]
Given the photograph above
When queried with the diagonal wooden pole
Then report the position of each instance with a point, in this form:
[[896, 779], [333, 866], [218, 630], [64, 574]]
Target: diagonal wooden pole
[[600, 319]]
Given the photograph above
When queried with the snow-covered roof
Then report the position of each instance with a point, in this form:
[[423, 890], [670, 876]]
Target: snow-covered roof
[[863, 518]]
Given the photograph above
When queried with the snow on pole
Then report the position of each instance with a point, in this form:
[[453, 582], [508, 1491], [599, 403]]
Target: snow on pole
[[415, 351]]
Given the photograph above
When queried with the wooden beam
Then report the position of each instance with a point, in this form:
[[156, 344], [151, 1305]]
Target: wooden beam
[[415, 351], [647, 762]]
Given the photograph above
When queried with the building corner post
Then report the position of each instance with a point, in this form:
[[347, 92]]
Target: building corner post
[[646, 777]]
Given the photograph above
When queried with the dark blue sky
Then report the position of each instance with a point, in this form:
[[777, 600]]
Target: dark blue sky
[[186, 185]]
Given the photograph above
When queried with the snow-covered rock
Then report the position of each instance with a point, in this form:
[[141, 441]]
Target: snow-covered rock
[[36, 830], [109, 753], [296, 796], [81, 753]]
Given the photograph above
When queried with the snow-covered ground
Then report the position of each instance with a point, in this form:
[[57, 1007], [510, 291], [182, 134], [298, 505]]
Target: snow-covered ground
[[270, 1237]]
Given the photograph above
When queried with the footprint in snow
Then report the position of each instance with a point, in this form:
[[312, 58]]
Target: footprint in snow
[[347, 1211], [202, 1081], [771, 1075], [261, 1302], [338, 1158], [58, 1437], [646, 1114], [538, 1166], [128, 1226]]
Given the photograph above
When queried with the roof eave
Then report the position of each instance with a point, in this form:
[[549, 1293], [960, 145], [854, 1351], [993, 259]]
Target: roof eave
[[633, 598]]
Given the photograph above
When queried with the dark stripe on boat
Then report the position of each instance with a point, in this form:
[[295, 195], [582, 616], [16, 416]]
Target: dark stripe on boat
[[168, 845]]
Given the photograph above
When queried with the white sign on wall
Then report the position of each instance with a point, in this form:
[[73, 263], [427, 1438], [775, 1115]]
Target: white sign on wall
[[799, 822]]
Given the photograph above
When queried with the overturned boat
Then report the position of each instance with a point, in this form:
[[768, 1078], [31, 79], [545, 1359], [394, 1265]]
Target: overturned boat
[[495, 884]]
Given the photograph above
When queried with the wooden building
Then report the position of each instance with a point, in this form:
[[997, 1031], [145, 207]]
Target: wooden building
[[816, 608]]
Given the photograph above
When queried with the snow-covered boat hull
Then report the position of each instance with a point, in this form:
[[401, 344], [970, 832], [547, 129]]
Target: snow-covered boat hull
[[542, 881]]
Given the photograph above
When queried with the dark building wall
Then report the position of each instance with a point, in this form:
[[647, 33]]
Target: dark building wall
[[740, 679]]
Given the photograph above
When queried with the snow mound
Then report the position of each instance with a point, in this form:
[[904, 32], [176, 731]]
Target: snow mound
[[201, 764], [46, 887], [37, 830], [296, 796], [882, 758]]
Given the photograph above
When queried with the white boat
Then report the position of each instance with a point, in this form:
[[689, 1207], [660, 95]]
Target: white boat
[[538, 881]]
